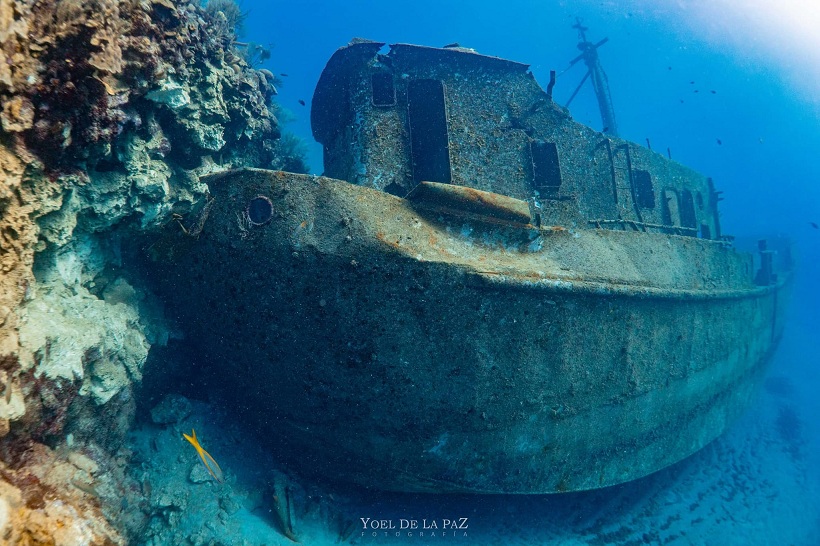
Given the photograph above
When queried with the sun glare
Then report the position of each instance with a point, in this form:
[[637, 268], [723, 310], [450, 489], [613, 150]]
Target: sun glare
[[783, 31]]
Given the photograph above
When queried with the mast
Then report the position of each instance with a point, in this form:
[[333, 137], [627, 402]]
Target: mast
[[600, 83]]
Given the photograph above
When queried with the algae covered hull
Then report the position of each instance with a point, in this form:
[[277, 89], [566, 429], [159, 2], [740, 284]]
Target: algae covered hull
[[445, 342]]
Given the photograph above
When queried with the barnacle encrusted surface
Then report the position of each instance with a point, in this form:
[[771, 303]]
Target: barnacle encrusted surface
[[110, 111]]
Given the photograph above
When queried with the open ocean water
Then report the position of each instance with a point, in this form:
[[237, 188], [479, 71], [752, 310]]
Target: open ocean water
[[729, 88]]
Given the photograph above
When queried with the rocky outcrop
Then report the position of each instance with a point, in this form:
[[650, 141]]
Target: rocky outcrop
[[65, 497], [111, 109]]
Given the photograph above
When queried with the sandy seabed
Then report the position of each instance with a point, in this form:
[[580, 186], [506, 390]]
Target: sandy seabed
[[757, 484]]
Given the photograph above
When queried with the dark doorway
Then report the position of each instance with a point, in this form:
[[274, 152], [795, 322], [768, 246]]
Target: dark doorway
[[644, 191], [670, 211], [427, 116], [546, 172], [687, 210]]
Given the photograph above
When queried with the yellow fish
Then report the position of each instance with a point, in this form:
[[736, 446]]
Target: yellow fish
[[210, 465]]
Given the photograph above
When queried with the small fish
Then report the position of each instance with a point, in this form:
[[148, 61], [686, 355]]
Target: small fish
[[814, 225], [605, 129], [719, 142], [692, 83], [713, 92], [301, 102], [696, 91], [209, 462], [283, 74], [669, 68]]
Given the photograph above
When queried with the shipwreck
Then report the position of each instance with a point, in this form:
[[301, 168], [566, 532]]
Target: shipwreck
[[480, 295]]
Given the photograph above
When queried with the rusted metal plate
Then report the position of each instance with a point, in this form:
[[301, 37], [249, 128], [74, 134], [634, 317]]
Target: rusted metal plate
[[478, 202]]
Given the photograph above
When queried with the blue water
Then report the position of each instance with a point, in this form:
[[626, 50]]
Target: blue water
[[729, 91]]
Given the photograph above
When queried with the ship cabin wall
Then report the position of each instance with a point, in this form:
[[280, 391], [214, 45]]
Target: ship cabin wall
[[669, 194], [456, 117], [439, 116], [374, 149]]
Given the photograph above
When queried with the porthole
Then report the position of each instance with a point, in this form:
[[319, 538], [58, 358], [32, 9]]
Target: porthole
[[260, 210]]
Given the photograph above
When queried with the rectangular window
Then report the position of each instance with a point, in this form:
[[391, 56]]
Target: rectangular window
[[546, 172], [384, 92], [644, 191], [429, 144]]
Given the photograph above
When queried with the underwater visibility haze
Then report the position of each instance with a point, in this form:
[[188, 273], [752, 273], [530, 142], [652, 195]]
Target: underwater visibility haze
[[399, 273]]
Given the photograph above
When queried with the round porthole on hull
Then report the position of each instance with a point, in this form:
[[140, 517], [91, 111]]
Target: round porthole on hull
[[260, 210]]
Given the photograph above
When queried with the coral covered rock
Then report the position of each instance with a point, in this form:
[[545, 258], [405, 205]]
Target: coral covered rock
[[48, 498], [111, 109], [78, 75]]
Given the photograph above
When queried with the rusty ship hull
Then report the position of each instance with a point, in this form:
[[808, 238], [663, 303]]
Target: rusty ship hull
[[446, 342]]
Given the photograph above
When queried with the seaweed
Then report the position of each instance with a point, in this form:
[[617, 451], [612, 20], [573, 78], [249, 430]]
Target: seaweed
[[291, 154], [231, 11], [255, 55]]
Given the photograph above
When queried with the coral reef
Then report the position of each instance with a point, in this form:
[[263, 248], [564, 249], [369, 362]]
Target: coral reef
[[66, 497], [80, 74], [230, 10], [111, 109]]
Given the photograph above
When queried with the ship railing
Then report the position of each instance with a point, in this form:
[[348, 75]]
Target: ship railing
[[644, 226]]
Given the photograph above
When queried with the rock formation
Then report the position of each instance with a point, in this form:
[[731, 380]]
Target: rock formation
[[111, 109]]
